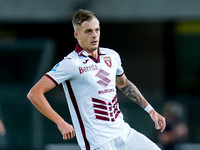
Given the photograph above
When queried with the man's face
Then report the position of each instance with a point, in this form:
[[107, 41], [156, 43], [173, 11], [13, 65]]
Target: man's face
[[88, 35]]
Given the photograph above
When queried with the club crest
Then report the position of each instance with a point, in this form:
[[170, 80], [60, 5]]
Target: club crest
[[108, 61]]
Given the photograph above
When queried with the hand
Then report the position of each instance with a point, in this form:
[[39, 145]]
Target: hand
[[2, 129], [159, 120], [66, 130]]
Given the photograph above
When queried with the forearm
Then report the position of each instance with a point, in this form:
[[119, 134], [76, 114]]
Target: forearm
[[40, 102], [132, 92], [36, 96]]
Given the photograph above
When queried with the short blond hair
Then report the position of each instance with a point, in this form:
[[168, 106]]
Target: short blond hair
[[80, 16]]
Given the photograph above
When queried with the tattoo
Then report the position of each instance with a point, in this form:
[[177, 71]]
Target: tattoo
[[133, 93]]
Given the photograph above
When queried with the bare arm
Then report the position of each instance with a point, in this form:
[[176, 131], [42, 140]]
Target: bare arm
[[2, 128], [131, 91], [36, 96]]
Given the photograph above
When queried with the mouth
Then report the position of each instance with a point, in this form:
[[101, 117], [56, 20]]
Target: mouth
[[94, 42]]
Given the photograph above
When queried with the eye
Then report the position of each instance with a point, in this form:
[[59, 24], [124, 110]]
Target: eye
[[98, 29], [88, 31]]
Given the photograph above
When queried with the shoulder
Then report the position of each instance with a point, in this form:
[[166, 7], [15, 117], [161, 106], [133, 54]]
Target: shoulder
[[66, 66], [108, 51], [67, 61], [71, 57]]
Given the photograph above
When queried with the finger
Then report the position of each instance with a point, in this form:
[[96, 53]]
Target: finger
[[68, 136], [73, 133], [162, 129], [157, 124], [64, 137], [163, 125], [158, 127]]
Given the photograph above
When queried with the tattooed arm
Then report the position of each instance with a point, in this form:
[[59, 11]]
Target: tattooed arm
[[131, 91]]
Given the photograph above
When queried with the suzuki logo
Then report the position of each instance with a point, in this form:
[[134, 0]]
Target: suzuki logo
[[104, 80]]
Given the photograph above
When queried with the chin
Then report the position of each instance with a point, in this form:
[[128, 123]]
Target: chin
[[94, 48]]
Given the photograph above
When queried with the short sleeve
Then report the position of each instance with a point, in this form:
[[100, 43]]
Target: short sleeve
[[62, 71], [120, 69]]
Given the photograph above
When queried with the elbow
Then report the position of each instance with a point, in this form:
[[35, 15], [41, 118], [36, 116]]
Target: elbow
[[31, 96], [122, 84]]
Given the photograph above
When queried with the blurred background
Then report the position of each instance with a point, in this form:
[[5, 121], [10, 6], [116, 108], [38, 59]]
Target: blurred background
[[159, 44]]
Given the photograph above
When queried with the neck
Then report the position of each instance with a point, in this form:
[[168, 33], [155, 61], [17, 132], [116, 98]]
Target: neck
[[94, 54]]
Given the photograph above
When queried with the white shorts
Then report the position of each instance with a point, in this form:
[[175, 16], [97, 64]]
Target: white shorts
[[133, 140]]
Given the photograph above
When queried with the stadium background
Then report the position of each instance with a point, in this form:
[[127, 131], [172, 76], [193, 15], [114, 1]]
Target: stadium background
[[158, 41]]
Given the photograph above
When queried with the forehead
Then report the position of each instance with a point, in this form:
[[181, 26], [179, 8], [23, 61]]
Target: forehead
[[91, 24]]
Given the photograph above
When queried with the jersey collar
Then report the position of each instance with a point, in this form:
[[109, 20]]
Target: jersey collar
[[81, 51]]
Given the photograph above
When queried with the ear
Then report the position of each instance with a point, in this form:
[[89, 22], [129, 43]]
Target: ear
[[76, 34]]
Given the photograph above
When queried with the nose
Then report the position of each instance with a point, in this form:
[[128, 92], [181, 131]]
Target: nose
[[95, 34]]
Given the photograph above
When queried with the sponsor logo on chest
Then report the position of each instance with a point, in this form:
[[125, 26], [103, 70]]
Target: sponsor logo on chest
[[87, 68]]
